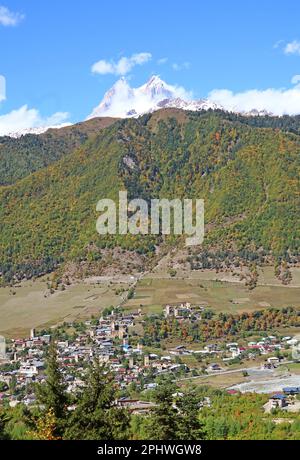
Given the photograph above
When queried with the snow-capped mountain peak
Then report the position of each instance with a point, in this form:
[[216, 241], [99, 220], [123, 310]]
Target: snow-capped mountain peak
[[123, 101], [157, 88]]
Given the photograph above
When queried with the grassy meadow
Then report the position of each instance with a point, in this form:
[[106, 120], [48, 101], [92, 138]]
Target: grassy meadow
[[30, 305]]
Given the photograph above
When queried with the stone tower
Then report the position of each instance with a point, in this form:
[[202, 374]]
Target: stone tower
[[2, 347]]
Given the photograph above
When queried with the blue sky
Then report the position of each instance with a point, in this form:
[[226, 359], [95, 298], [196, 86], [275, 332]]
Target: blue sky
[[47, 55]]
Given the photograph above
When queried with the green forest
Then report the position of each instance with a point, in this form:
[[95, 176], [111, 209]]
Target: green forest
[[246, 170]]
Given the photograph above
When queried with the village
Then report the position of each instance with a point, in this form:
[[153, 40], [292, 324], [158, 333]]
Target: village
[[111, 341]]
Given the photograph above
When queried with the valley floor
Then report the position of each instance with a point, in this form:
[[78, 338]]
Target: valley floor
[[30, 304]]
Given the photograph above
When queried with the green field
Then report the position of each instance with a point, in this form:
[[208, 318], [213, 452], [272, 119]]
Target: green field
[[29, 307], [152, 293]]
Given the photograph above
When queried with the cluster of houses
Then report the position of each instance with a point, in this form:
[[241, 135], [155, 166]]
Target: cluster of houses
[[109, 340], [106, 340], [266, 346]]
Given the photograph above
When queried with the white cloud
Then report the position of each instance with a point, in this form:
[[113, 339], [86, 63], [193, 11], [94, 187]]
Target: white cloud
[[183, 66], [278, 101], [292, 48], [9, 18], [103, 67], [122, 66], [26, 118], [2, 88]]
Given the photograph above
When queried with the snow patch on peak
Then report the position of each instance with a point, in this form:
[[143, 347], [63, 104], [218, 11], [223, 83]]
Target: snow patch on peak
[[178, 103], [157, 88]]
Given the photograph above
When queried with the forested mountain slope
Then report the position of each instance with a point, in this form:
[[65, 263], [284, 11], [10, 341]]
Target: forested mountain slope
[[247, 175], [31, 152]]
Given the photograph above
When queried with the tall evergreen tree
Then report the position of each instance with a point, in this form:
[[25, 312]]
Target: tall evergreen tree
[[96, 416], [52, 394], [164, 419], [189, 425]]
